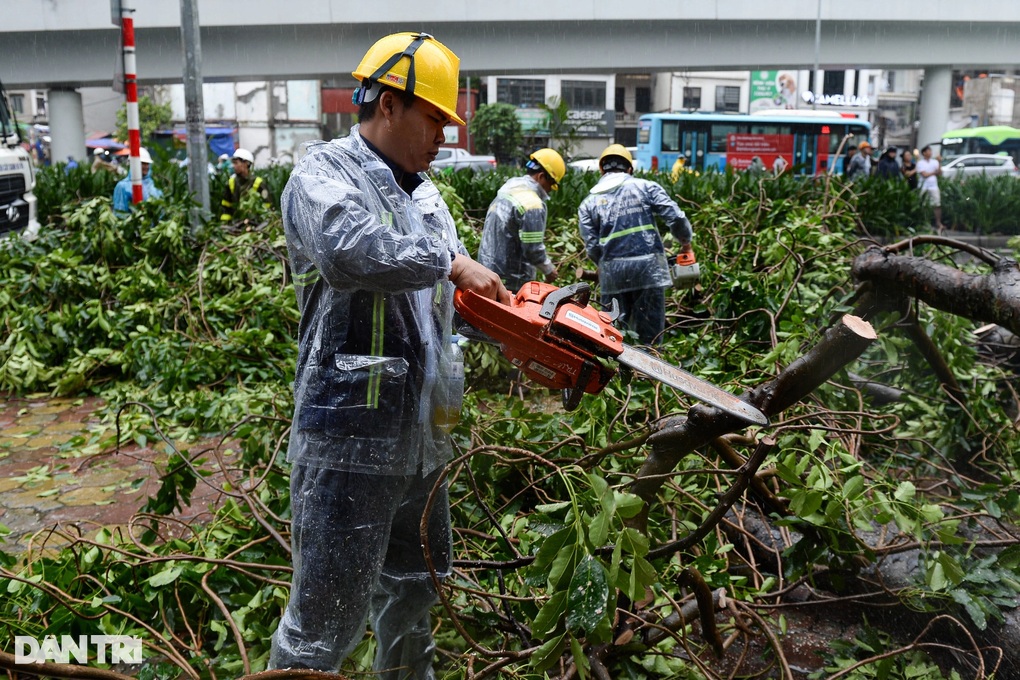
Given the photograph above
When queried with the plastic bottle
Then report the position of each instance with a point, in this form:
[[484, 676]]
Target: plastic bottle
[[448, 413]]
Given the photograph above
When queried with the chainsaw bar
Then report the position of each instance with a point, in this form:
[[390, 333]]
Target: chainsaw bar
[[690, 385]]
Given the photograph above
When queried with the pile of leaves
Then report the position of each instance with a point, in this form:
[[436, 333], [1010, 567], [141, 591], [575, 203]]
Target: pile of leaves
[[185, 334]]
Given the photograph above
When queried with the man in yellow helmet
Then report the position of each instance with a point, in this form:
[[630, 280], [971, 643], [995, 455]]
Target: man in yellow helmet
[[513, 240], [375, 259], [617, 223]]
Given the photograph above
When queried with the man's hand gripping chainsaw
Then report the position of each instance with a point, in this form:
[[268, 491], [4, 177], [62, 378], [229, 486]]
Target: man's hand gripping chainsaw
[[557, 339]]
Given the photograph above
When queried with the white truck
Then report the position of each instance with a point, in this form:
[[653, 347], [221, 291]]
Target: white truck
[[455, 158], [17, 179]]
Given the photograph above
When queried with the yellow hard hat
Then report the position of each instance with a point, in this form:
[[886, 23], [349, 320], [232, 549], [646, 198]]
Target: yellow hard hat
[[418, 64], [617, 150], [551, 163]]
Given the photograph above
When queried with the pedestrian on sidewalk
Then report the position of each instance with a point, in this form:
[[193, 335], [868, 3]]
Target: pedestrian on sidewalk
[[929, 170]]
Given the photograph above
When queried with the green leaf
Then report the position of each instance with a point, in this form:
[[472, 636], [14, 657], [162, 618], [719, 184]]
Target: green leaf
[[972, 606], [580, 658], [598, 529], [853, 487], [164, 577], [552, 545], [588, 594], [951, 568], [550, 651], [563, 565], [806, 502], [627, 504], [549, 615], [550, 508], [905, 492], [634, 542]]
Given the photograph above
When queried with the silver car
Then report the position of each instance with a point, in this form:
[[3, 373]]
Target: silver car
[[969, 165]]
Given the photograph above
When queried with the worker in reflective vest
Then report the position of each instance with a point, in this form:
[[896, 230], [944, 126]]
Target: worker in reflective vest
[[240, 183]]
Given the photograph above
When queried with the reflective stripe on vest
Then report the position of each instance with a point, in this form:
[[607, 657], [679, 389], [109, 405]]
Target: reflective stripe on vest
[[625, 232]]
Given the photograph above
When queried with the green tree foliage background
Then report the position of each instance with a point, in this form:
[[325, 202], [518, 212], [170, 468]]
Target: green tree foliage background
[[187, 334], [497, 131], [151, 118]]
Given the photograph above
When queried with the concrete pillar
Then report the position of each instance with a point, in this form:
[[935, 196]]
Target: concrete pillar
[[67, 126], [934, 114]]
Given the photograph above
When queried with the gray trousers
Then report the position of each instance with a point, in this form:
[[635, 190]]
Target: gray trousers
[[357, 554], [641, 311]]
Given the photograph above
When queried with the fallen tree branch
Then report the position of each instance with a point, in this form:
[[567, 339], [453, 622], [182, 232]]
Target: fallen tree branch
[[58, 670], [840, 345], [990, 298]]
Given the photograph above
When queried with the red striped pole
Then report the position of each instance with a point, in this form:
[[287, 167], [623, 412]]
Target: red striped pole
[[127, 32]]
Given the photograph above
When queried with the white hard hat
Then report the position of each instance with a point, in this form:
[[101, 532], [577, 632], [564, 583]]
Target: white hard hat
[[223, 157], [143, 154], [244, 155]]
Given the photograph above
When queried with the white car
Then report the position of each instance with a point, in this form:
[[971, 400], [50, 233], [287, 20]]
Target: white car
[[592, 164], [453, 158], [973, 164], [585, 165]]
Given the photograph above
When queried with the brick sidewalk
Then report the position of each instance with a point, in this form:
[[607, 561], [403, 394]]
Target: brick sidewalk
[[46, 480]]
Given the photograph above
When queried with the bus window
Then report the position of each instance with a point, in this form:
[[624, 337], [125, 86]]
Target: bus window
[[670, 135], [770, 130], [834, 139], [859, 132], [717, 142], [644, 133]]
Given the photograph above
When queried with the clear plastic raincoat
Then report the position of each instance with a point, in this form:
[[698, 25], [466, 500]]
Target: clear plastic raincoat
[[370, 267], [513, 240], [617, 223]]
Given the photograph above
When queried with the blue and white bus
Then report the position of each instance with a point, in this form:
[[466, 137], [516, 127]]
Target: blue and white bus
[[804, 142]]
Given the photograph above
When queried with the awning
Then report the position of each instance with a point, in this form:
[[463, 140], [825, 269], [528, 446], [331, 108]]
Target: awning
[[104, 143], [219, 137]]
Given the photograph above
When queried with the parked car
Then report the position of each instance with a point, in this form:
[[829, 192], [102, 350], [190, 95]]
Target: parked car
[[592, 164], [585, 164], [453, 158], [973, 164]]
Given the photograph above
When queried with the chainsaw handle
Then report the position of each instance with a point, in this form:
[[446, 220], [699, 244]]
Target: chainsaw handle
[[579, 293]]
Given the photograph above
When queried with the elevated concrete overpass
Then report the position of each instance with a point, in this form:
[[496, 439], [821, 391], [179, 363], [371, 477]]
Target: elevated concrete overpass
[[65, 44]]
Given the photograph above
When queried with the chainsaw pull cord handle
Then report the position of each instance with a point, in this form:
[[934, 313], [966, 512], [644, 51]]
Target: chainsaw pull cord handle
[[579, 293]]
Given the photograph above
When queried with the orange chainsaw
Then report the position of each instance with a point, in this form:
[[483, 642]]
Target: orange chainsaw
[[557, 339]]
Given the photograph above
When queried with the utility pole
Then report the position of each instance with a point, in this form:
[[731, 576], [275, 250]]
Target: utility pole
[[818, 48], [198, 171], [126, 9], [467, 115]]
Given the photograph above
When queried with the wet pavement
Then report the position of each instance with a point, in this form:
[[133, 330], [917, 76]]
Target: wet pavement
[[52, 475]]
